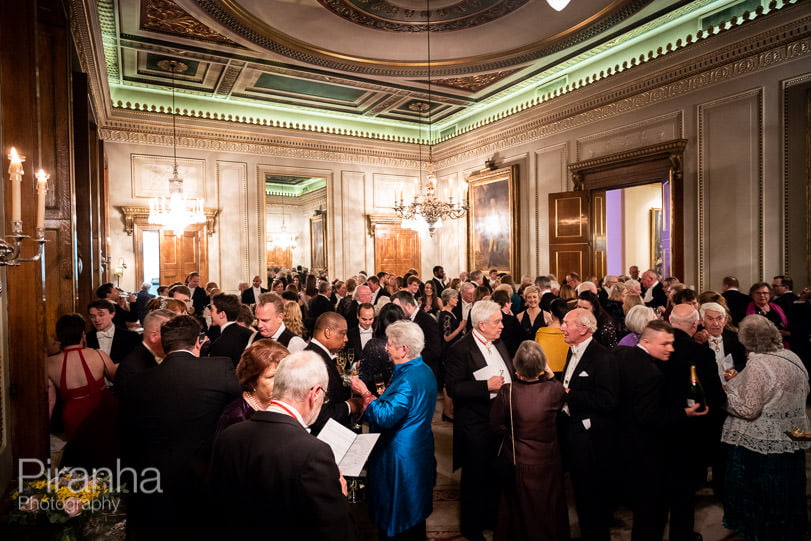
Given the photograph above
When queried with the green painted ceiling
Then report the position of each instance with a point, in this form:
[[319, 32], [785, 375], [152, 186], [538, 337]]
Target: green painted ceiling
[[264, 73]]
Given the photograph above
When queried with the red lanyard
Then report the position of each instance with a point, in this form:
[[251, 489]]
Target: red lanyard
[[290, 413]]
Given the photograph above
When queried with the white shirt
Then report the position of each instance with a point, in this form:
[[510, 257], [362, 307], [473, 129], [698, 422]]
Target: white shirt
[[649, 292], [158, 360], [492, 357], [365, 336], [105, 339], [577, 353], [256, 292], [296, 343], [290, 409], [716, 344], [466, 306], [319, 344]]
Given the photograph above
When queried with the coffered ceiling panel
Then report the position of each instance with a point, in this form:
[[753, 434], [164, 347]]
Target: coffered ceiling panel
[[367, 61]]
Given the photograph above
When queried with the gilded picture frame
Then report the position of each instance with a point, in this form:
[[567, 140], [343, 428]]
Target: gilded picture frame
[[493, 233], [656, 248], [318, 243]]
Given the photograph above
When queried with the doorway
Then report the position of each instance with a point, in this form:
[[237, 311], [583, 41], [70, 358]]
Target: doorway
[[163, 258], [397, 249], [626, 210]]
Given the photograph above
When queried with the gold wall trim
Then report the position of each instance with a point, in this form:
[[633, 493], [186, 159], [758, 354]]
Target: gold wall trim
[[141, 214]]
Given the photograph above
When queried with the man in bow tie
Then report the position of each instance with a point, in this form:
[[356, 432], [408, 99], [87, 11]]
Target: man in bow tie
[[587, 422], [476, 367], [362, 332], [115, 341], [717, 337]]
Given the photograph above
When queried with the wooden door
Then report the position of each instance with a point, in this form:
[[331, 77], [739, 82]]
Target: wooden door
[[180, 255], [396, 249], [599, 260], [569, 234]]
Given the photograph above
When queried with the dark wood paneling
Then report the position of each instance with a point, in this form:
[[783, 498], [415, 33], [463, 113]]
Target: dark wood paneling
[[569, 233]]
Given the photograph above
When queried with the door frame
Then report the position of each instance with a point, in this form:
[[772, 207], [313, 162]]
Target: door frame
[[644, 165], [136, 221]]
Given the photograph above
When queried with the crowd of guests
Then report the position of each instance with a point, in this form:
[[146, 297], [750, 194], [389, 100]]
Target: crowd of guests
[[225, 394]]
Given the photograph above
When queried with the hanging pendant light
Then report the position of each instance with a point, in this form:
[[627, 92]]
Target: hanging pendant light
[[427, 211], [175, 212]]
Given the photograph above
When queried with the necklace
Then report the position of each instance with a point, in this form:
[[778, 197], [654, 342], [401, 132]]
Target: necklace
[[254, 402]]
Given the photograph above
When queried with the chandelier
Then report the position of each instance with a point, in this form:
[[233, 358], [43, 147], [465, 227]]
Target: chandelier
[[282, 240], [427, 210], [175, 211]]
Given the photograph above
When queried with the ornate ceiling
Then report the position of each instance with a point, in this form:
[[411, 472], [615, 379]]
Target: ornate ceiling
[[364, 63]]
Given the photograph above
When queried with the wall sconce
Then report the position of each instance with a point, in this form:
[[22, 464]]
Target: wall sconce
[[10, 252], [118, 272]]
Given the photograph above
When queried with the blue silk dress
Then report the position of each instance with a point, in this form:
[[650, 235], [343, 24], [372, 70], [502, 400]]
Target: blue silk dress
[[402, 468]]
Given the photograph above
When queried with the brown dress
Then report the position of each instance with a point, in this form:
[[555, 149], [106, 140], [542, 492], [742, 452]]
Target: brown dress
[[533, 503]]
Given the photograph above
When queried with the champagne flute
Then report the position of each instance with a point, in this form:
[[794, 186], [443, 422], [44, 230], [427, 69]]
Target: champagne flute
[[340, 360]]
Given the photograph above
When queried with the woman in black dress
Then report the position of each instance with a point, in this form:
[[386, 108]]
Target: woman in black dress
[[606, 333], [375, 365], [531, 319]]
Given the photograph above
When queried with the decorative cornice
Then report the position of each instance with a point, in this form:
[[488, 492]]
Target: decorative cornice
[[670, 149], [764, 51], [373, 219], [276, 147], [141, 215]]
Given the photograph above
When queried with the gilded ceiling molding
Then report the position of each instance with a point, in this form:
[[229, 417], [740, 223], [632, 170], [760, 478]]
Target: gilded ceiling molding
[[312, 151], [243, 23], [166, 17], [569, 117]]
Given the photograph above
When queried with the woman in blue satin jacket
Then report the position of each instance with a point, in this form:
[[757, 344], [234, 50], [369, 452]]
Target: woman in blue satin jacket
[[402, 467]]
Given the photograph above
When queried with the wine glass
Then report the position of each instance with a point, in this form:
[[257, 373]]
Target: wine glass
[[340, 360]]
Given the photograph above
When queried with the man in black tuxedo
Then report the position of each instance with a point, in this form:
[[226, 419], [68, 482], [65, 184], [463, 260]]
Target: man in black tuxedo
[[320, 304], [233, 338], [329, 337], [360, 334], [174, 409], [349, 310], [715, 336], [117, 342], [587, 423], [121, 316], [784, 297], [269, 314], [475, 446], [654, 296], [199, 297], [432, 352], [375, 287], [439, 280], [249, 464], [147, 354], [251, 294], [736, 300], [646, 416], [694, 445], [467, 294], [141, 299]]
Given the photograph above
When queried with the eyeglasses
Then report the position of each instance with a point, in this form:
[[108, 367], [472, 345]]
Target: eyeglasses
[[326, 396]]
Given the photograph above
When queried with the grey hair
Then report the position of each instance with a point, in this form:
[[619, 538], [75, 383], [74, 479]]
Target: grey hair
[[407, 333], [676, 320], [447, 294], [712, 307], [482, 311], [633, 284], [146, 286], [297, 374], [759, 335], [529, 360], [466, 285], [586, 318], [587, 286], [638, 317], [155, 318]]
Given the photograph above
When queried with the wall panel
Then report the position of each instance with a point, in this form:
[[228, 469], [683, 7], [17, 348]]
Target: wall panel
[[551, 177], [730, 184], [244, 235]]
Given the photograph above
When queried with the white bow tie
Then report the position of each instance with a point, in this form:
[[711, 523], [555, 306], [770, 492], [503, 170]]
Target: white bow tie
[[366, 331], [106, 334]]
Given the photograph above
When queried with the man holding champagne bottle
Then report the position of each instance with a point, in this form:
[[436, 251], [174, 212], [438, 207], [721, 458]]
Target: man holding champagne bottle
[[655, 433]]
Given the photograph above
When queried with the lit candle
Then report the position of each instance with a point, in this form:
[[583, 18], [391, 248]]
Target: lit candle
[[15, 171], [42, 190]]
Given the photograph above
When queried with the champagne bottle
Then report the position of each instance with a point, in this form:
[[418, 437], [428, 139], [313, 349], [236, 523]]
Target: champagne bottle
[[695, 393]]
